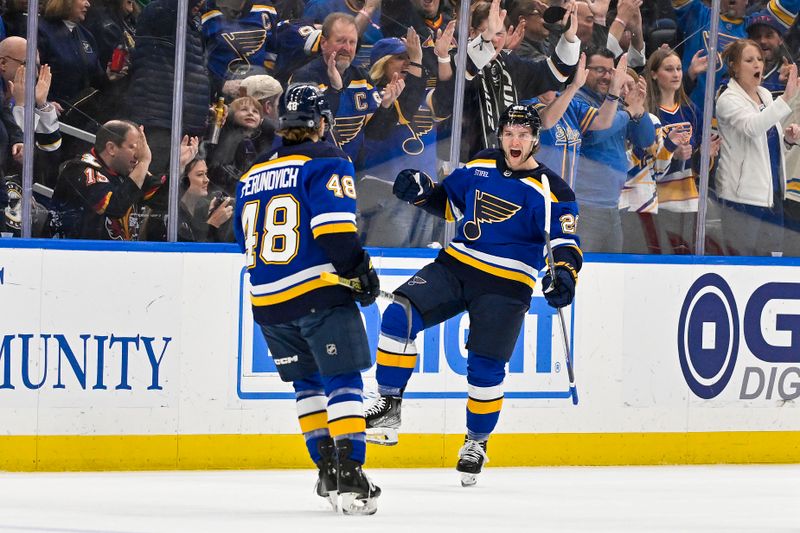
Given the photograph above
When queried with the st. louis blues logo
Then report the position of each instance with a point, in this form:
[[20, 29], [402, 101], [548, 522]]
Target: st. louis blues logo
[[244, 44], [489, 209]]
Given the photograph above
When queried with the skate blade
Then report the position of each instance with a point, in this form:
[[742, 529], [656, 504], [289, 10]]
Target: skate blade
[[468, 480], [351, 504], [382, 436], [333, 499]]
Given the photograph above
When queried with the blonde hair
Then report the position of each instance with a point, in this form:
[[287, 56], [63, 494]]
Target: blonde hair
[[296, 135], [58, 9], [378, 69], [244, 101]]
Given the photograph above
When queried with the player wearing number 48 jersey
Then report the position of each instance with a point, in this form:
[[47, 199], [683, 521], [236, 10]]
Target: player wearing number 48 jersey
[[295, 219], [489, 270]]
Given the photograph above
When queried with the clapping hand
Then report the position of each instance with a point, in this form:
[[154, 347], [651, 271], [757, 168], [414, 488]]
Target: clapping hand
[[392, 91], [580, 73]]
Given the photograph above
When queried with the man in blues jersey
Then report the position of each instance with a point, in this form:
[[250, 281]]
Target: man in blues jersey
[[489, 270], [356, 104], [295, 219]]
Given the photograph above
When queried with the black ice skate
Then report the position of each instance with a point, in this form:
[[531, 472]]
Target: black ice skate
[[383, 420], [471, 457], [326, 483], [358, 495]]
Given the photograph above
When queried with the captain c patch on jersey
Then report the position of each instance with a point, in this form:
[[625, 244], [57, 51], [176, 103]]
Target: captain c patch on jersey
[[489, 209]]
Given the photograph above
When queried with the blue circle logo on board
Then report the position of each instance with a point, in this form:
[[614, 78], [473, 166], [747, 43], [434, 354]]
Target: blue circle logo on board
[[708, 336]]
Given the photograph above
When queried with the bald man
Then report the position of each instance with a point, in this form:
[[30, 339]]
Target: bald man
[[47, 135]]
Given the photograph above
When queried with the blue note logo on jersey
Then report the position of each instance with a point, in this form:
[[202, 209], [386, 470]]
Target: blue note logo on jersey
[[243, 45], [488, 209], [708, 336]]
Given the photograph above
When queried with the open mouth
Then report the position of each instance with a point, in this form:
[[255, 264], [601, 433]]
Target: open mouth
[[514, 153], [757, 75]]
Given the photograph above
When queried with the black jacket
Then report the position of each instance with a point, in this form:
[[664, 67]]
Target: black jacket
[[153, 70]]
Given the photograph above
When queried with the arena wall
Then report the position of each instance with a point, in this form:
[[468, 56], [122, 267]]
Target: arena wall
[[138, 356]]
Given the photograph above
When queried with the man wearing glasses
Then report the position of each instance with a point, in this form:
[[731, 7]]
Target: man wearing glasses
[[536, 42], [604, 159], [47, 134]]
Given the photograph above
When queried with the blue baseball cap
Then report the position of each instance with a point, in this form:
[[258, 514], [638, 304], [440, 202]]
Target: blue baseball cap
[[765, 18], [386, 47]]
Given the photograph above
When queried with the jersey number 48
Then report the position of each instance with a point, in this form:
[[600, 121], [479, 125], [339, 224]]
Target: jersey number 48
[[280, 238]]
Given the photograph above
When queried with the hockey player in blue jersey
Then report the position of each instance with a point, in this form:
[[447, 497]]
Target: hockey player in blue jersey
[[489, 270], [294, 219]]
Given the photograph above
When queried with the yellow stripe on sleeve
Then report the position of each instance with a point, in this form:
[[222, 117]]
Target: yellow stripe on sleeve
[[341, 227], [781, 13], [448, 212], [587, 120]]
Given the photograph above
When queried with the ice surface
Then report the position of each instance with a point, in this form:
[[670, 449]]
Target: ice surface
[[615, 499]]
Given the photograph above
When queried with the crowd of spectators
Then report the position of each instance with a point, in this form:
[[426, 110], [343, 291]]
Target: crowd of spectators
[[619, 84]]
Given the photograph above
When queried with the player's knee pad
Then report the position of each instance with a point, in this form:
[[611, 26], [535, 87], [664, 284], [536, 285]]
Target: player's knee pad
[[484, 371], [395, 322]]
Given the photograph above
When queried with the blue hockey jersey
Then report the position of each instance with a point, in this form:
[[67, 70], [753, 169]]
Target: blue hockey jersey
[[694, 19], [499, 238], [294, 219], [353, 107], [236, 47]]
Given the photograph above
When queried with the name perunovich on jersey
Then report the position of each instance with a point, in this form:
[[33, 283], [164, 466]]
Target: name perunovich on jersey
[[285, 203]]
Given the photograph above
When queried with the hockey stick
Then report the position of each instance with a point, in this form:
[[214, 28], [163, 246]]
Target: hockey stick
[[573, 391], [353, 284]]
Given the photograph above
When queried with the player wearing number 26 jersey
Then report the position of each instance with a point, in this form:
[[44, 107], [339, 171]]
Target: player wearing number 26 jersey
[[295, 219]]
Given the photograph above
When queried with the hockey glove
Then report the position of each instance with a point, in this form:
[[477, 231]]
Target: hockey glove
[[412, 185], [368, 281], [562, 293]]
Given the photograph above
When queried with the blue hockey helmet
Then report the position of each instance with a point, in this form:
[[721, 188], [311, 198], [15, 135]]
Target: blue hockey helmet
[[303, 106]]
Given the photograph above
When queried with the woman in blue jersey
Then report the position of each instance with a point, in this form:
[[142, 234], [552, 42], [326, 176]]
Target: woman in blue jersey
[[681, 130], [409, 143], [488, 270]]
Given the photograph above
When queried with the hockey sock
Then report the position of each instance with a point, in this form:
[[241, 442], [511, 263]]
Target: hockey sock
[[397, 355], [312, 413], [346, 412], [485, 394]]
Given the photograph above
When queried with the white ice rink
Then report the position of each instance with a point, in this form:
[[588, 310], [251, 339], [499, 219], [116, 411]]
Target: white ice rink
[[622, 499]]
